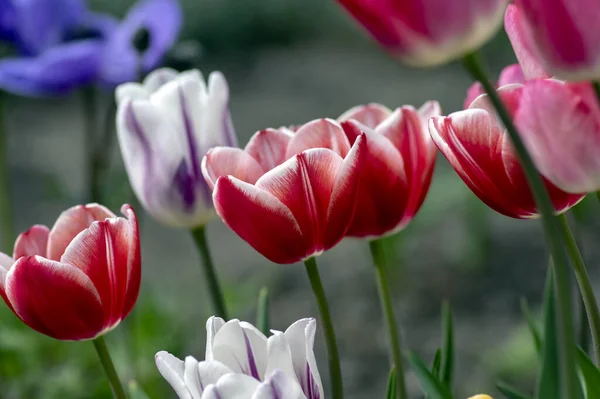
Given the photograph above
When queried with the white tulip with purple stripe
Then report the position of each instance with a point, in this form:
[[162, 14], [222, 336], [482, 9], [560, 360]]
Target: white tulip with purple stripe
[[242, 363], [165, 127]]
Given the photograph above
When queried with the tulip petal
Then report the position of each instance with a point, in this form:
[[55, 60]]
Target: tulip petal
[[102, 253], [342, 204], [320, 133], [191, 377], [561, 128], [134, 260], [235, 386], [6, 263], [304, 184], [382, 195], [268, 147], [32, 242], [260, 219], [54, 298], [279, 386], [210, 372], [301, 337], [172, 369], [241, 348], [279, 355], [213, 324], [72, 222], [473, 142], [523, 43], [511, 74], [369, 115], [230, 161]]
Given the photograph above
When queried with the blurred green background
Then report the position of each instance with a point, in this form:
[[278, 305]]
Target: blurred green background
[[287, 62]]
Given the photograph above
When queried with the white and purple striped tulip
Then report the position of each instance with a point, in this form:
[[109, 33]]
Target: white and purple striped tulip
[[165, 127], [242, 363]]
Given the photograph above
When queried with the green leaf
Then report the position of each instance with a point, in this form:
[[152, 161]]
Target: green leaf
[[437, 361], [549, 382], [510, 392], [535, 332], [391, 387], [135, 392], [262, 313], [447, 363], [432, 387], [590, 375]]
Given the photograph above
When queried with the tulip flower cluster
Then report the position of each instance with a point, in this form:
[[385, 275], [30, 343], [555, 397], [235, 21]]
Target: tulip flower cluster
[[526, 146]]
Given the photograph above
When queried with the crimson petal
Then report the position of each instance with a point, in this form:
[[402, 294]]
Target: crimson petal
[[32, 242], [320, 133], [230, 161], [268, 147]]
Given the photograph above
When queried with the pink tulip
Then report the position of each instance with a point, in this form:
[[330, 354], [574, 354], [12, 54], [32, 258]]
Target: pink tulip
[[557, 36], [560, 125], [400, 157], [287, 203], [428, 32], [78, 280], [479, 149]]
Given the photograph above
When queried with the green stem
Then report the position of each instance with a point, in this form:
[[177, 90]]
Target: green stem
[[585, 287], [566, 335], [91, 153], [262, 315], [214, 287], [596, 87], [6, 213], [584, 327], [109, 368], [387, 305], [335, 370]]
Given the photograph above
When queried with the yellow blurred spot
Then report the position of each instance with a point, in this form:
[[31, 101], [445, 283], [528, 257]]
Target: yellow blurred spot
[[481, 397]]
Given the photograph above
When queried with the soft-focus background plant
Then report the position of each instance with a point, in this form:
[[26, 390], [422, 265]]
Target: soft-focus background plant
[[287, 62]]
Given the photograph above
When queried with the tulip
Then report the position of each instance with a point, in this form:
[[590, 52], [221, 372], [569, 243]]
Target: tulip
[[560, 124], [54, 60], [480, 397], [78, 280], [479, 149], [164, 131], [428, 32], [558, 36], [511, 74], [293, 210], [240, 359], [399, 163]]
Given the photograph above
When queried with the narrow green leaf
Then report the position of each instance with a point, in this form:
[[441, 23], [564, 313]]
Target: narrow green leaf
[[432, 387], [590, 375], [549, 382], [533, 328], [262, 312], [510, 392], [447, 364], [391, 387], [135, 392], [437, 362]]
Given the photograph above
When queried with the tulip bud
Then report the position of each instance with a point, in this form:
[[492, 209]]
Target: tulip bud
[[240, 359], [165, 126], [426, 33], [558, 36], [78, 280]]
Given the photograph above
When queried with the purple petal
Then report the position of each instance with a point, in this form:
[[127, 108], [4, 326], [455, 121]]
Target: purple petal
[[162, 19], [56, 71]]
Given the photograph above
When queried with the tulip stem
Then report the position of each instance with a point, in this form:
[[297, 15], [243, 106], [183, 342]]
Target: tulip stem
[[6, 213], [335, 370], [109, 368], [583, 280], [387, 304], [552, 229], [214, 287]]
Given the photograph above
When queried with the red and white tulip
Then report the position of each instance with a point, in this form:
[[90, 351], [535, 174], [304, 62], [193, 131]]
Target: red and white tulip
[[78, 280], [479, 149], [399, 163], [240, 359], [287, 203], [428, 32]]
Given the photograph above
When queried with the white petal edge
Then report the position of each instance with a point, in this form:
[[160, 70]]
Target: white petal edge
[[172, 369]]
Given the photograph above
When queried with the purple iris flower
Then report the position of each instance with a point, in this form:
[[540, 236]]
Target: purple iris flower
[[63, 46]]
